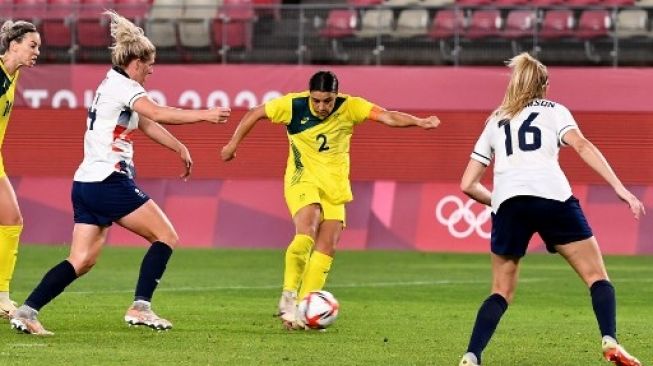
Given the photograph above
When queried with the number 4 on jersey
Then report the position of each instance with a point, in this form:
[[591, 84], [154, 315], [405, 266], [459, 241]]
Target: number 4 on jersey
[[524, 129]]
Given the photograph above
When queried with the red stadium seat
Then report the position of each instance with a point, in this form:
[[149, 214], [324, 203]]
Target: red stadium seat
[[594, 24], [56, 28], [233, 26], [546, 2], [484, 24], [520, 24], [557, 24], [510, 2], [619, 2], [92, 27], [6, 9], [135, 10], [583, 2], [31, 10], [473, 2], [446, 23], [340, 23], [364, 2]]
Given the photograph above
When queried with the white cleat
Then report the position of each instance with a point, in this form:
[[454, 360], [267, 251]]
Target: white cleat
[[615, 353], [26, 322], [469, 359], [141, 313], [288, 309]]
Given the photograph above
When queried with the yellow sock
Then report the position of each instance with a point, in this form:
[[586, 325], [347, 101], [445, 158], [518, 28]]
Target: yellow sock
[[296, 256], [316, 273], [9, 236]]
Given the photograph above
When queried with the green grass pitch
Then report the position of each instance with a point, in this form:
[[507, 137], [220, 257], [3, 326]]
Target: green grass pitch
[[397, 308]]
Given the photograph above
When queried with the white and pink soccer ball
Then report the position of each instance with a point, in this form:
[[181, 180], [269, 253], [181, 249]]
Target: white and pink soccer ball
[[318, 309]]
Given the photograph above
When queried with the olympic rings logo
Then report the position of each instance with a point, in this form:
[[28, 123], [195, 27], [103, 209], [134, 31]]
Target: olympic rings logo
[[462, 212]]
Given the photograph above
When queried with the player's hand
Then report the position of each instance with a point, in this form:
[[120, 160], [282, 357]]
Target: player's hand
[[429, 123], [636, 206], [184, 155], [228, 152], [218, 114]]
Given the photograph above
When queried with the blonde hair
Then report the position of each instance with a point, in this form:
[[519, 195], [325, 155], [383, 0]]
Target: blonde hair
[[14, 31], [528, 81], [130, 42]]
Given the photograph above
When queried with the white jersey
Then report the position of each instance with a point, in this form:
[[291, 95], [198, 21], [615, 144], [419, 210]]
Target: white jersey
[[111, 120], [525, 150]]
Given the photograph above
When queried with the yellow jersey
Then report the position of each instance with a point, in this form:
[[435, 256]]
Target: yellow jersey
[[319, 148], [7, 91]]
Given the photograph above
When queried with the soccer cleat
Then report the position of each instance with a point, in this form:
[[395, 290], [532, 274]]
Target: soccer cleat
[[615, 353], [288, 309], [7, 307], [24, 320], [140, 313], [469, 359]]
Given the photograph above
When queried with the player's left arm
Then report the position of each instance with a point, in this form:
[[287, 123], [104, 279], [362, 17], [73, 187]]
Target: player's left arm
[[159, 134], [401, 119], [471, 184]]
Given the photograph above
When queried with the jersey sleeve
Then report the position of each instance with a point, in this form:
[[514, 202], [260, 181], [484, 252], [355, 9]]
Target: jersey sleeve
[[132, 91], [565, 122], [360, 109], [279, 110], [483, 151]]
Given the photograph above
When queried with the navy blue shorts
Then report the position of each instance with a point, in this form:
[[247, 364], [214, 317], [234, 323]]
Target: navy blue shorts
[[102, 203], [518, 218]]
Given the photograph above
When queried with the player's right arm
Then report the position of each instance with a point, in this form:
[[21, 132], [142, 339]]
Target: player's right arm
[[246, 124], [176, 116], [593, 157]]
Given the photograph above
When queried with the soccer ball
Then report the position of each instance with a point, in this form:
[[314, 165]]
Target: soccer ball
[[318, 309]]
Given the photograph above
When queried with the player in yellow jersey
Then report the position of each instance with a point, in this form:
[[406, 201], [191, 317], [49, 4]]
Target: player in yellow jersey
[[19, 46], [320, 123]]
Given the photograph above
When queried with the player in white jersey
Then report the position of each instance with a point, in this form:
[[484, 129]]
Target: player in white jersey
[[531, 194], [104, 190]]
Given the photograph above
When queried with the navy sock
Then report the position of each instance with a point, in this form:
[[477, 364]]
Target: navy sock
[[152, 268], [487, 319], [604, 303], [52, 285]]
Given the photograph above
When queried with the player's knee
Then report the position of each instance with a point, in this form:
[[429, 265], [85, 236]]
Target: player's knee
[[82, 265], [170, 239]]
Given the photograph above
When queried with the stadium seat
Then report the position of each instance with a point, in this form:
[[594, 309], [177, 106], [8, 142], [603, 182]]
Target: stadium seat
[[340, 23], [446, 24], [30, 10], [520, 24], [92, 29], [557, 24], [376, 22], [593, 24], [134, 10], [484, 24], [400, 3], [472, 3], [6, 10], [194, 24], [547, 2], [233, 26], [582, 2], [161, 27], [56, 29], [436, 3], [632, 23], [363, 3], [412, 23], [618, 2], [508, 3]]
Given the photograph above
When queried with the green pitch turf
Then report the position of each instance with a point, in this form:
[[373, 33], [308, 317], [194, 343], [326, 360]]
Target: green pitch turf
[[398, 308]]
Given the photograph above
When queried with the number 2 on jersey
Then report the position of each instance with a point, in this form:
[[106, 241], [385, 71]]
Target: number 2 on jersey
[[524, 129], [323, 142]]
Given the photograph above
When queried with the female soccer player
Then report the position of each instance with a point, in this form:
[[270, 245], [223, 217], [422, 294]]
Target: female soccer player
[[104, 191], [531, 194], [320, 124], [19, 46]]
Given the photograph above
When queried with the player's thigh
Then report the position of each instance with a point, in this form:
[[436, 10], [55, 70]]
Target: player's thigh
[[86, 246], [151, 223], [505, 274], [9, 211], [585, 257], [304, 204]]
